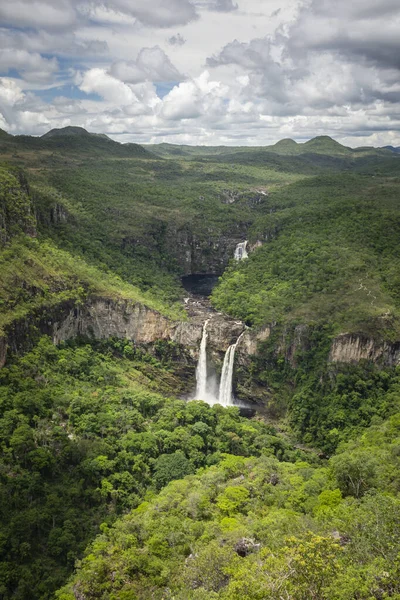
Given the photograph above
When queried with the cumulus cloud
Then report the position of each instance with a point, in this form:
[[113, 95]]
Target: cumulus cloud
[[151, 64], [317, 64], [113, 90], [63, 14], [38, 13], [320, 68], [158, 13], [194, 98], [10, 92], [50, 42], [253, 55], [371, 32], [32, 66]]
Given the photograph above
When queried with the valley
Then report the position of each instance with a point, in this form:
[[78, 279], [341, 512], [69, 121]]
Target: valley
[[147, 295]]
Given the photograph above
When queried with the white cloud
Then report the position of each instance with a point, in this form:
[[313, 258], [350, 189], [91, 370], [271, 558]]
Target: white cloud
[[113, 90], [30, 64], [151, 64], [194, 98], [158, 13], [44, 14], [10, 93], [276, 68]]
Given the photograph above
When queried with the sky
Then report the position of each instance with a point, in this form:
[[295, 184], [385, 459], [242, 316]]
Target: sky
[[231, 72]]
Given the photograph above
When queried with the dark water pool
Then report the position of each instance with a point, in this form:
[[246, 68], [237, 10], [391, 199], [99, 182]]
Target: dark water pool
[[201, 285]]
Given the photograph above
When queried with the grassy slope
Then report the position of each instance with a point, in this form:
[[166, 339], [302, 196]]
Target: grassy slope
[[35, 273]]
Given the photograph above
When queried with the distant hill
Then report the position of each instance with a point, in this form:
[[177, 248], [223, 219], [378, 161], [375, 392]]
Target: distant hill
[[392, 149], [322, 145], [286, 146], [72, 139], [70, 130], [4, 134]]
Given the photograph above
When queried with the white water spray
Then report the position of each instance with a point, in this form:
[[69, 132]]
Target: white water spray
[[225, 389], [201, 370], [205, 385], [240, 251]]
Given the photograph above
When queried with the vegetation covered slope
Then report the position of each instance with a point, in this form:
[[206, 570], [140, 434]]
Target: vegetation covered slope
[[258, 529], [85, 433], [37, 274], [329, 253]]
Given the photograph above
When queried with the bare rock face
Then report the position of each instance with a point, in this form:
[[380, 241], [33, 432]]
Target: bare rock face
[[104, 318], [352, 348], [299, 343], [58, 214]]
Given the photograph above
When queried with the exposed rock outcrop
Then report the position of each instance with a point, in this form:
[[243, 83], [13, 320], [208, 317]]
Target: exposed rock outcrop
[[102, 318], [58, 214], [352, 348]]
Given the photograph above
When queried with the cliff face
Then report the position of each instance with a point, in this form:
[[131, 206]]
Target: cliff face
[[205, 254], [208, 252], [102, 318], [352, 348]]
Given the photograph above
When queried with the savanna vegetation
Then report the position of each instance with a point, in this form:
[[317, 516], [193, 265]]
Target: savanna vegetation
[[111, 486]]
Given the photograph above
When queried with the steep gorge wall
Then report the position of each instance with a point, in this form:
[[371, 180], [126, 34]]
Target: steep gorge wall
[[102, 318], [353, 348], [209, 253]]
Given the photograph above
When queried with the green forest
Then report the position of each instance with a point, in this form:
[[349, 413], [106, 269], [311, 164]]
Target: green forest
[[113, 486]]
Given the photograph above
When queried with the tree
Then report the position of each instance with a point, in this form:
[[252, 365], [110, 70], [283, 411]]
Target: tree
[[171, 466]]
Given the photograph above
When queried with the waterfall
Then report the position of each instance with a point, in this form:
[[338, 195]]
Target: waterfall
[[240, 251], [225, 388], [205, 385], [201, 370]]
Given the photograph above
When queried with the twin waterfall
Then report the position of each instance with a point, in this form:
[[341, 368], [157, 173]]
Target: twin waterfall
[[203, 391]]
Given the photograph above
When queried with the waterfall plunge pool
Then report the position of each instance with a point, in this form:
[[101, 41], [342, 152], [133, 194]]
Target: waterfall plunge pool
[[200, 284]]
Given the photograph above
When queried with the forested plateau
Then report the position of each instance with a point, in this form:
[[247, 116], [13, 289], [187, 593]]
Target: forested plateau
[[114, 483]]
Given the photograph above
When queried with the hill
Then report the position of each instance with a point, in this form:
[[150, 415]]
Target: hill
[[325, 145], [68, 131], [393, 149], [71, 139]]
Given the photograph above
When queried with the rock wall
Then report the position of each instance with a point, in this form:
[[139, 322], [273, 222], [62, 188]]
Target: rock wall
[[203, 254], [352, 348], [102, 318]]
